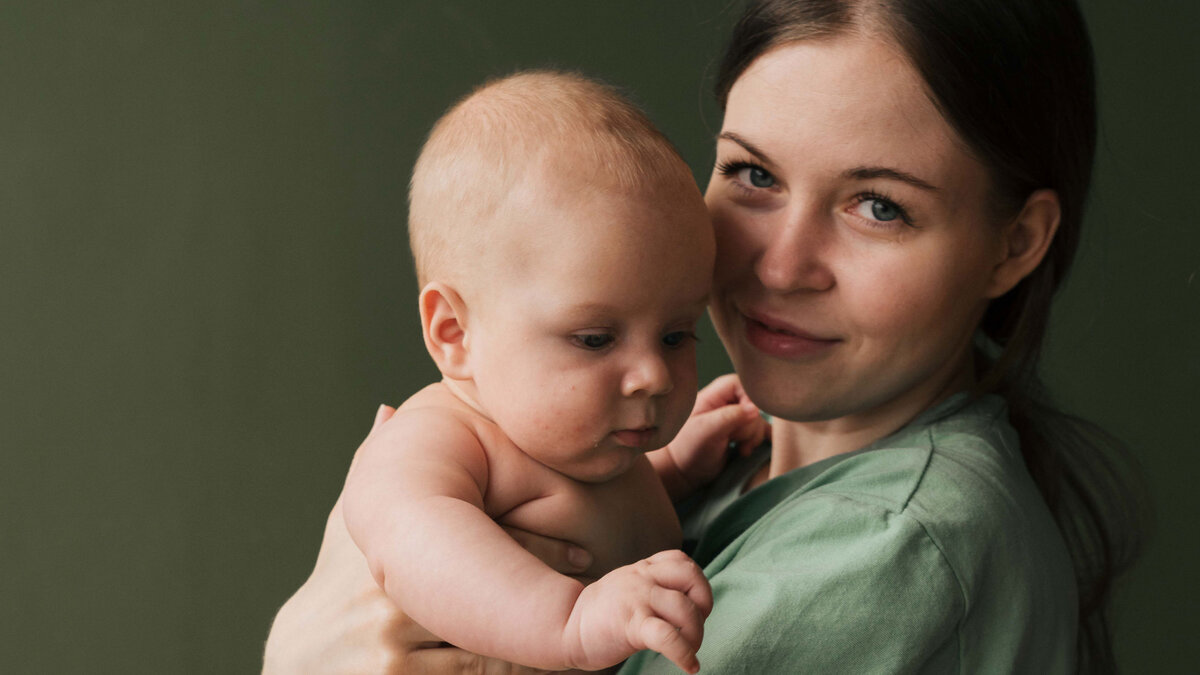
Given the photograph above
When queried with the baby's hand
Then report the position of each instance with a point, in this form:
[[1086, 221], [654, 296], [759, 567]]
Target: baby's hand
[[658, 603], [723, 415]]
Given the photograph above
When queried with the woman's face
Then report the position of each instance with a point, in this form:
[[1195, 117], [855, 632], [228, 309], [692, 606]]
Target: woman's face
[[854, 244]]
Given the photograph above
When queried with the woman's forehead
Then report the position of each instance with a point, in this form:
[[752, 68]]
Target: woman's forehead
[[853, 100]]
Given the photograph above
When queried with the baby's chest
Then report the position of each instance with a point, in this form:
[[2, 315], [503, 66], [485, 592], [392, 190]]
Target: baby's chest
[[619, 521]]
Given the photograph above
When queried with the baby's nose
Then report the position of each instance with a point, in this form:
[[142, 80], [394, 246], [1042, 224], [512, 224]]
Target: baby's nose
[[648, 376]]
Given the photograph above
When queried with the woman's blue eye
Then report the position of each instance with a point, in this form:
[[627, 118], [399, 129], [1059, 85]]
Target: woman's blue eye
[[759, 177], [884, 211], [747, 173], [880, 210], [594, 340]]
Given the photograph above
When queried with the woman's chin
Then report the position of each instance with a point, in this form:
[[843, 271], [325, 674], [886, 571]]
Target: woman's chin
[[786, 398]]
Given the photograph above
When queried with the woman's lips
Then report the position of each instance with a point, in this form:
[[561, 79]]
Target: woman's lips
[[777, 338], [637, 438]]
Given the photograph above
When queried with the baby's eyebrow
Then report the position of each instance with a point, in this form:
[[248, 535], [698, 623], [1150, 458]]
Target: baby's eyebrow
[[589, 309]]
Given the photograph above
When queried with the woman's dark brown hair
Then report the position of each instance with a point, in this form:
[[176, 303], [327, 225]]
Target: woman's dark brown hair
[[1015, 79]]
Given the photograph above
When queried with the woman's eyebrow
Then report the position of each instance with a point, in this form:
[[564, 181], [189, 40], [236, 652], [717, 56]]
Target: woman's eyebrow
[[857, 173], [747, 145], [869, 172]]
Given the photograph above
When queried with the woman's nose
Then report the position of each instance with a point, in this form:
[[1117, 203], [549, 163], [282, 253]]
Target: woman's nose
[[648, 375], [795, 255]]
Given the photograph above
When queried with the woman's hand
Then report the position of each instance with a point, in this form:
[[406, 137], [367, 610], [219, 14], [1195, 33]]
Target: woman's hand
[[340, 622]]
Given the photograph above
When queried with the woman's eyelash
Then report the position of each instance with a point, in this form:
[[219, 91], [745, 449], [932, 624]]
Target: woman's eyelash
[[731, 167], [749, 178]]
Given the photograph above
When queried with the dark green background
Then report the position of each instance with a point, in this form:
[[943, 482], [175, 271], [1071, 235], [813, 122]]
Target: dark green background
[[205, 290]]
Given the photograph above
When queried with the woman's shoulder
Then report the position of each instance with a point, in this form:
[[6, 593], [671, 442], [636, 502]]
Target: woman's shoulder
[[962, 452], [957, 476], [948, 505], [943, 468]]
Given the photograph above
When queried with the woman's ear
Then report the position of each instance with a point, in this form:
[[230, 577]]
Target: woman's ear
[[1025, 241], [444, 327]]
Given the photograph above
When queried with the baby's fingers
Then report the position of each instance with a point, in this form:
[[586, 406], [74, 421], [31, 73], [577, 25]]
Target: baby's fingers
[[678, 610], [724, 390], [662, 637], [752, 431], [675, 570]]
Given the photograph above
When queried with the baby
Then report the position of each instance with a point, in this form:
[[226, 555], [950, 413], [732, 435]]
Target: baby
[[565, 256]]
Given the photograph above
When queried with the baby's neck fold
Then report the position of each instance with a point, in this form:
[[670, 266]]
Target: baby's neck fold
[[464, 390]]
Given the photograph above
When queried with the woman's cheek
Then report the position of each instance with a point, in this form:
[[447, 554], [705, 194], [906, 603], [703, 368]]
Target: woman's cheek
[[733, 237], [894, 300]]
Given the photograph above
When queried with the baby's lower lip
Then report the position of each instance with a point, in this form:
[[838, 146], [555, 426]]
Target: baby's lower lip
[[636, 438]]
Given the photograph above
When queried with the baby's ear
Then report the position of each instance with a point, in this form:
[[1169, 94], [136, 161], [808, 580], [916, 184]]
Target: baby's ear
[[443, 324], [1026, 241]]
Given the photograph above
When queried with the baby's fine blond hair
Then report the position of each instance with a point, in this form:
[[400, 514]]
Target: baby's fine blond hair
[[519, 128]]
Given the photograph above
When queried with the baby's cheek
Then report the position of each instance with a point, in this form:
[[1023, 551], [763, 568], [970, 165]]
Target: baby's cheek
[[562, 414]]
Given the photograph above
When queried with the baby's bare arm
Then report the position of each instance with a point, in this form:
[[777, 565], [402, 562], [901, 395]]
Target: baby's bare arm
[[414, 505]]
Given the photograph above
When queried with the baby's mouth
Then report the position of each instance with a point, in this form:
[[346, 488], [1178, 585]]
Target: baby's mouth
[[641, 438]]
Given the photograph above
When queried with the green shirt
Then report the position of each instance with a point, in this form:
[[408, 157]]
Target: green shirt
[[930, 551]]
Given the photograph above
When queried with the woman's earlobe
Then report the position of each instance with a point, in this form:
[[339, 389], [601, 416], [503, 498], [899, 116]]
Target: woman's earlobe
[[444, 327], [1026, 240]]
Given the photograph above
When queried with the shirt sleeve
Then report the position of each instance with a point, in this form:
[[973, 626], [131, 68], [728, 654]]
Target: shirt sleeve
[[827, 583]]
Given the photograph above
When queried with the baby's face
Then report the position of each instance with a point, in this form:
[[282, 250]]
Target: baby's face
[[583, 351]]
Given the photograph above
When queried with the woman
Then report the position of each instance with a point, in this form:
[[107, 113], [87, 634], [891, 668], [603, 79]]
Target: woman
[[898, 192]]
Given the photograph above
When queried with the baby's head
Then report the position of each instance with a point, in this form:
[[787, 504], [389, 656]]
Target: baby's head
[[565, 255]]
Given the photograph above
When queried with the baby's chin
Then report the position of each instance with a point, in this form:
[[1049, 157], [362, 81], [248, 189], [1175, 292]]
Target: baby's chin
[[601, 466]]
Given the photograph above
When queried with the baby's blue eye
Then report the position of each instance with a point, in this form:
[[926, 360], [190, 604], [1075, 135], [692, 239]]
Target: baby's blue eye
[[593, 340]]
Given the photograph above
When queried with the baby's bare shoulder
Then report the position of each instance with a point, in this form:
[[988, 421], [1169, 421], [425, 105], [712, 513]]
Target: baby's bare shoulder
[[436, 410], [437, 415]]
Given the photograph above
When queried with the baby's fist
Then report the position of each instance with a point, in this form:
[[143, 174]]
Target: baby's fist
[[659, 603]]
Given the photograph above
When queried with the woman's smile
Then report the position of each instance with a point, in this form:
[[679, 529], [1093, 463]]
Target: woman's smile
[[779, 338]]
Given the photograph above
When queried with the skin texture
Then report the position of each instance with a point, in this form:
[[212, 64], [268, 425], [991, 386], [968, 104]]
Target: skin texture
[[842, 319], [628, 273], [341, 622], [557, 382], [871, 318]]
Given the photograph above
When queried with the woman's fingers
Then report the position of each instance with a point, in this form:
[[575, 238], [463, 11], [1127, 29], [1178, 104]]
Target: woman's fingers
[[445, 660], [561, 556], [339, 622], [382, 415]]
